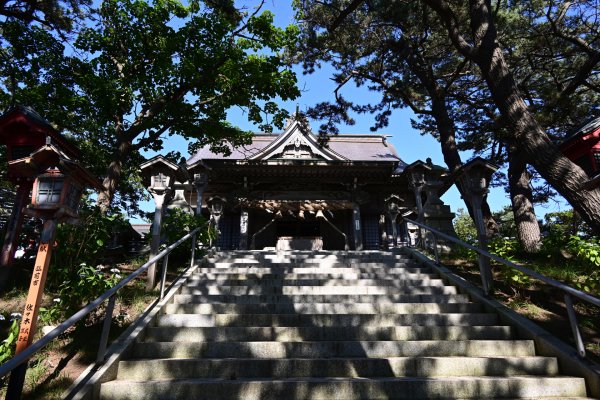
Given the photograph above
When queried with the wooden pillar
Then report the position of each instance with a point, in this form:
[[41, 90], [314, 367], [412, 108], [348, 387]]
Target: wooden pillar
[[244, 230], [13, 228], [358, 242]]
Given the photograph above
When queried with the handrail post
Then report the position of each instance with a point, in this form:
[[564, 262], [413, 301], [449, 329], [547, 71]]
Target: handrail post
[[193, 256], [106, 329], [164, 276], [435, 248], [574, 326]]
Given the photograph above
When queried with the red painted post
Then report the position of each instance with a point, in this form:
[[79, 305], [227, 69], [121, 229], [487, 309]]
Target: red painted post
[[13, 231], [32, 305]]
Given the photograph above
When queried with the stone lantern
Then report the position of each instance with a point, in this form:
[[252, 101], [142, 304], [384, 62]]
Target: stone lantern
[[475, 177], [417, 176], [23, 131], [215, 206], [392, 205], [158, 175]]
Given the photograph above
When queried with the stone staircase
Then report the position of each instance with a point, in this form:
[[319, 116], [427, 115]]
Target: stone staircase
[[327, 325]]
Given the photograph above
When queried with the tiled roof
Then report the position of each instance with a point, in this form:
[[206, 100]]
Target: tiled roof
[[588, 127], [353, 147]]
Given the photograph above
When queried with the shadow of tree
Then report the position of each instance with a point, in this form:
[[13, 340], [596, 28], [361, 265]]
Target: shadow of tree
[[324, 325]]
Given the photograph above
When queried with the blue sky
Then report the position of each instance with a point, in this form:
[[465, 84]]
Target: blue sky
[[318, 87]]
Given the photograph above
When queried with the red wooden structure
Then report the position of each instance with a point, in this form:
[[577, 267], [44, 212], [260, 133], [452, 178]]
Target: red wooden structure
[[23, 131], [583, 147]]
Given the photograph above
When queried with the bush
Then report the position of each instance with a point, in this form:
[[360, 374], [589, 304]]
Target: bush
[[82, 244], [587, 253], [178, 223]]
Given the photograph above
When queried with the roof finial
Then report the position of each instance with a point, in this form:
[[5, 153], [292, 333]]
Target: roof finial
[[297, 109]]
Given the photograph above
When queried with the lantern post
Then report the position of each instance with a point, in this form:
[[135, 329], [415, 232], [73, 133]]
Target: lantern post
[[417, 176], [158, 175], [215, 205], [23, 131], [57, 189], [475, 177], [392, 204]]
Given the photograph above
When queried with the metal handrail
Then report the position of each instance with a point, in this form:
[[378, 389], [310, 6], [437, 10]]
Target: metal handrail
[[109, 294], [569, 291]]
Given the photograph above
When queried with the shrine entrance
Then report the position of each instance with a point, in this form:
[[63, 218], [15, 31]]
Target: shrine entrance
[[299, 229], [289, 191]]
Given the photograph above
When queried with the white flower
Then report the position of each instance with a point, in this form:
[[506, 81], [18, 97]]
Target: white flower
[[115, 270], [2, 318], [16, 315], [118, 276], [56, 300]]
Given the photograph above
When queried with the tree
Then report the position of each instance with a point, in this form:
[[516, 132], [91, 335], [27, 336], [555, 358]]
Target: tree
[[470, 102], [53, 14], [141, 71], [386, 47], [166, 68], [478, 42]]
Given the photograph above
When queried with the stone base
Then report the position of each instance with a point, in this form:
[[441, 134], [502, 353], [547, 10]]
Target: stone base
[[299, 243]]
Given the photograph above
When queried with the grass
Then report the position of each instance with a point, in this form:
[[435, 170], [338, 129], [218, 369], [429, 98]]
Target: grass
[[52, 370], [539, 302]]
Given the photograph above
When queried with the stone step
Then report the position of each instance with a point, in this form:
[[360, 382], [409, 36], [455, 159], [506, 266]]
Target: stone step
[[229, 368], [313, 270], [389, 282], [273, 268], [328, 349], [322, 264], [199, 320], [347, 298], [307, 275], [318, 256], [312, 333], [316, 290], [349, 388], [323, 308]]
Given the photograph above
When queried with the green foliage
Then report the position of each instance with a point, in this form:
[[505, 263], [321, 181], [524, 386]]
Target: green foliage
[[53, 313], [90, 283], [508, 250], [465, 230], [505, 248], [137, 72], [8, 345], [506, 222], [82, 243], [587, 252], [178, 223], [465, 227]]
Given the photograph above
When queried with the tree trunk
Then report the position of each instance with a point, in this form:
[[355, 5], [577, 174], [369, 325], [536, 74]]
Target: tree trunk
[[453, 161], [565, 176], [447, 131], [113, 175], [528, 228]]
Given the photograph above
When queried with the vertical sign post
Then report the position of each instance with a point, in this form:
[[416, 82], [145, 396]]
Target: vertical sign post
[[32, 305]]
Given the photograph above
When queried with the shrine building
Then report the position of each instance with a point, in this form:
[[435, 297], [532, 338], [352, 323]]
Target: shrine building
[[286, 191]]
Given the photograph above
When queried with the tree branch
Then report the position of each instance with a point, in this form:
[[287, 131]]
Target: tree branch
[[343, 14], [450, 20]]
